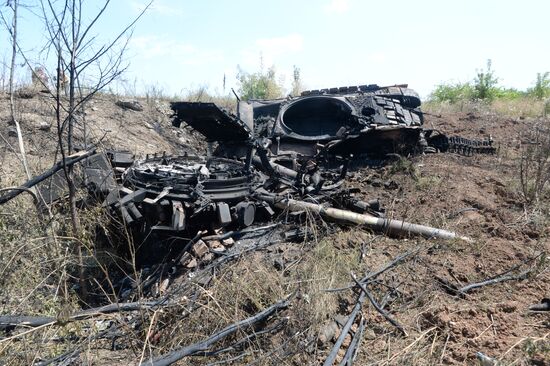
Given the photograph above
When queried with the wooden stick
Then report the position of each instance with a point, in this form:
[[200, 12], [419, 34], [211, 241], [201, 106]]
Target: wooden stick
[[345, 330], [400, 258], [174, 356], [521, 276], [9, 321], [501, 277], [351, 352], [377, 306]]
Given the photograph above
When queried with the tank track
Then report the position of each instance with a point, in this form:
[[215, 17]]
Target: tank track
[[459, 145], [464, 146]]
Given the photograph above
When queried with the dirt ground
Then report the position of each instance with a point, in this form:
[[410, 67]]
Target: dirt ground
[[477, 196]]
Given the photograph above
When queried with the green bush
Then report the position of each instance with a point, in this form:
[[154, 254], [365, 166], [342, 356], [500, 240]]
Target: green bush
[[486, 84], [541, 89], [510, 93], [452, 93], [485, 87], [259, 85]]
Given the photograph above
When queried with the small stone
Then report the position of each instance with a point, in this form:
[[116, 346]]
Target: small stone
[[216, 246], [391, 184], [376, 183], [44, 126], [208, 257], [327, 333], [229, 242], [192, 263], [185, 258], [133, 105], [279, 264], [347, 341], [200, 249], [508, 307], [340, 319], [370, 335]]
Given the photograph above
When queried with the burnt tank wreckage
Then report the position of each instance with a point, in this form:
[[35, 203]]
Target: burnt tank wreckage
[[269, 151], [288, 154]]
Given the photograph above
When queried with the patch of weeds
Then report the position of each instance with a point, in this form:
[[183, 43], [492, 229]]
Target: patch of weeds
[[536, 348], [404, 166], [427, 183]]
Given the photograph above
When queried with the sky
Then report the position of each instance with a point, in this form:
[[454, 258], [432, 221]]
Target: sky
[[181, 45]]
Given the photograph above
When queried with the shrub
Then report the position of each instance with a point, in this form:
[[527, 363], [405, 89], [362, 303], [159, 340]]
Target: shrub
[[511, 93], [203, 94], [259, 85], [486, 84], [452, 93], [485, 88], [541, 89], [535, 165]]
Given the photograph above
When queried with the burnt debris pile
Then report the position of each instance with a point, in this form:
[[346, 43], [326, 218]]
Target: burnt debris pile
[[290, 154]]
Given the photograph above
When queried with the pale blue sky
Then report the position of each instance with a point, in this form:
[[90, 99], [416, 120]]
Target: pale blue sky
[[180, 45]]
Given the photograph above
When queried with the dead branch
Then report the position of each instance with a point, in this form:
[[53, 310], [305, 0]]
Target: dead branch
[[400, 258], [501, 277], [13, 34], [11, 321], [544, 305], [352, 348], [68, 161], [351, 352], [229, 360], [74, 351], [377, 306], [345, 330], [521, 276], [203, 346], [23, 189], [245, 339]]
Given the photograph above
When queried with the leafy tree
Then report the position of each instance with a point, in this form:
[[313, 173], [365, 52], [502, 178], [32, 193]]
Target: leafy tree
[[259, 85], [541, 89], [486, 84]]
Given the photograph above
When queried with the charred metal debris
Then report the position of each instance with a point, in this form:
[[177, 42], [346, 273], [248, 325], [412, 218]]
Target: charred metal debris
[[288, 154]]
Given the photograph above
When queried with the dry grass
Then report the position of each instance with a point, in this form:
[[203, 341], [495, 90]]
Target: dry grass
[[39, 272], [511, 108], [35, 269], [253, 283]]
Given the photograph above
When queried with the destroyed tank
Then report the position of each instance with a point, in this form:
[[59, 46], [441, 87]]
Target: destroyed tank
[[358, 120], [270, 149]]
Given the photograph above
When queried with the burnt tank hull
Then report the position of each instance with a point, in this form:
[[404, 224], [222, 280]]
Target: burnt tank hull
[[357, 120]]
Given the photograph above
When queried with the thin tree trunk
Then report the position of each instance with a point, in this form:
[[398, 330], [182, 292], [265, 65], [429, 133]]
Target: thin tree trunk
[[70, 178], [12, 92]]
